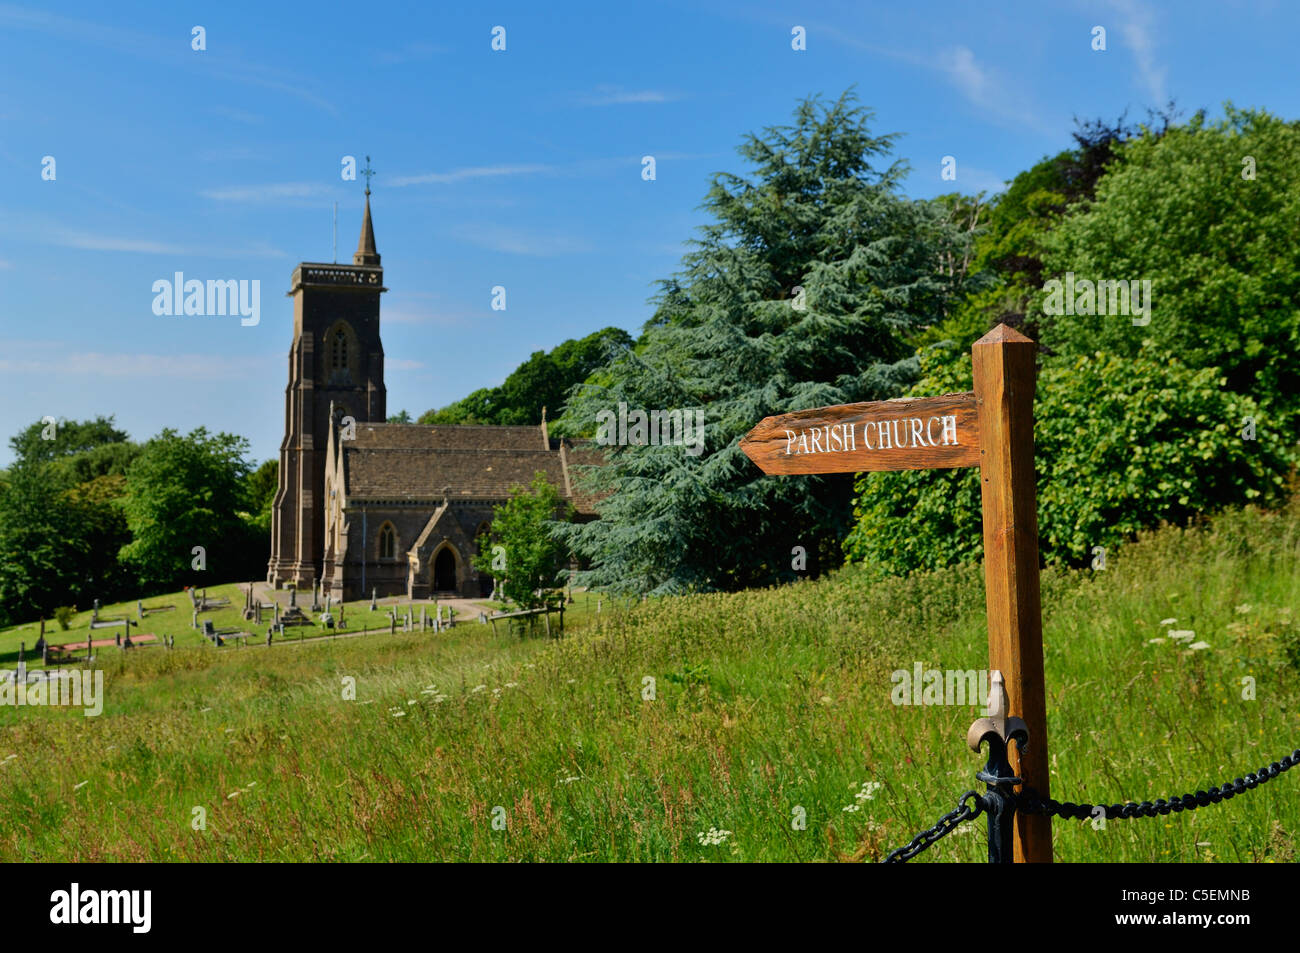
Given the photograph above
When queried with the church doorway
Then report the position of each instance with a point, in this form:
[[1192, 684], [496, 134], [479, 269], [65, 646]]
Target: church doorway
[[444, 571]]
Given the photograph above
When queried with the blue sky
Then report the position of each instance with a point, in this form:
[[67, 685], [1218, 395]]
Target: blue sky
[[519, 168]]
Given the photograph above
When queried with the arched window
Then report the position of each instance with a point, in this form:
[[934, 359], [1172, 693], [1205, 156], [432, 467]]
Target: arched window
[[339, 351], [387, 542]]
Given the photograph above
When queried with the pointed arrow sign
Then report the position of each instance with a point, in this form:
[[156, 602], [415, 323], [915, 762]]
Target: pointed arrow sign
[[905, 434]]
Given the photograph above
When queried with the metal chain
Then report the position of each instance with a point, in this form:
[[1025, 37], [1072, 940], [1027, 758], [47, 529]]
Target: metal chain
[[1029, 803], [921, 841]]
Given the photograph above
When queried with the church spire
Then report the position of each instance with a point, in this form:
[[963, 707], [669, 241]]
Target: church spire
[[367, 254]]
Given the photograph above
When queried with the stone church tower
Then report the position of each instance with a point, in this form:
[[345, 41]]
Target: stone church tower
[[336, 359]]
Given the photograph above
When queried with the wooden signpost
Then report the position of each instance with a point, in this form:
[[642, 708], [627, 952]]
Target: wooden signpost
[[992, 428]]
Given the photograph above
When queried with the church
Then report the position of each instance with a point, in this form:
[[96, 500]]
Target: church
[[367, 506]]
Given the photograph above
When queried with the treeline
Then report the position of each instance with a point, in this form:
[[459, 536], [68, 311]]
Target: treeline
[[544, 380], [86, 513], [816, 282]]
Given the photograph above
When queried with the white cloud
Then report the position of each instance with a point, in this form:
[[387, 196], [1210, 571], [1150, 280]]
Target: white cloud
[[238, 115], [81, 364], [517, 241], [459, 175], [90, 241], [267, 193], [983, 87], [618, 96], [1136, 29]]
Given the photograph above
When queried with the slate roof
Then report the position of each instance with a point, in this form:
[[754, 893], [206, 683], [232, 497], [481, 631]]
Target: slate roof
[[414, 462]]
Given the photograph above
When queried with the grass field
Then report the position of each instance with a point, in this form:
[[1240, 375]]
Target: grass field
[[765, 704]]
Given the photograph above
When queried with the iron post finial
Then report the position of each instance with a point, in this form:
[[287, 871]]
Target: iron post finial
[[1000, 802]]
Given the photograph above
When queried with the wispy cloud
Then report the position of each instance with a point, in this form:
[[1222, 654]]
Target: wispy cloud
[[267, 193], [618, 96], [92, 242], [410, 53], [165, 50], [136, 367], [982, 86], [518, 241], [472, 172], [95, 241], [1136, 29], [402, 364], [238, 115]]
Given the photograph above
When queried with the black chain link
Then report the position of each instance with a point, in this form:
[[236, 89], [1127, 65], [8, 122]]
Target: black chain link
[[921, 841], [1029, 803]]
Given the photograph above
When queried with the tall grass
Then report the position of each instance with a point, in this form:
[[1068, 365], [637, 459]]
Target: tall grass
[[768, 707]]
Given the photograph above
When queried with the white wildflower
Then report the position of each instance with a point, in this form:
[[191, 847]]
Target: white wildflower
[[713, 837], [1197, 646], [78, 787], [1168, 621]]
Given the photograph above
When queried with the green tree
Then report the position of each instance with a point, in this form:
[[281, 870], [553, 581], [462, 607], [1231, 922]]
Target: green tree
[[1208, 214], [401, 417], [533, 558], [544, 380], [185, 491], [45, 554], [803, 290], [260, 489]]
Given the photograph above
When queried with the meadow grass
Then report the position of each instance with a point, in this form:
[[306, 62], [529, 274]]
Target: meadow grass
[[767, 706]]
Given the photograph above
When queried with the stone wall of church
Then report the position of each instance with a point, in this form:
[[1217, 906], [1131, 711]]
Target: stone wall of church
[[393, 576]]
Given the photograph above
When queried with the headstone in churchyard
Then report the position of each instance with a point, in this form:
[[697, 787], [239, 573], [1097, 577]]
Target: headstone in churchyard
[[94, 612], [392, 623], [42, 628], [139, 609], [194, 619], [373, 593], [293, 596], [268, 636], [422, 616]]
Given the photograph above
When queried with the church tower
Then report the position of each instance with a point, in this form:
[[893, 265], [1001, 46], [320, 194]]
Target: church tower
[[336, 358]]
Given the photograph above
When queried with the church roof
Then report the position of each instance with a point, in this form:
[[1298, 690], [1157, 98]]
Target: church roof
[[414, 462]]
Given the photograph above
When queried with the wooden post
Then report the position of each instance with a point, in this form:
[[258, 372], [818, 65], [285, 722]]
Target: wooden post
[[1003, 362]]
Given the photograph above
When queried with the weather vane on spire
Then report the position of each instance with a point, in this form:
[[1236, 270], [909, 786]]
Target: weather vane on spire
[[367, 172]]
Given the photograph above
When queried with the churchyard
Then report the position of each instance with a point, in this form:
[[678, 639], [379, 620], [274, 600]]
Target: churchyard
[[751, 726], [170, 619]]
